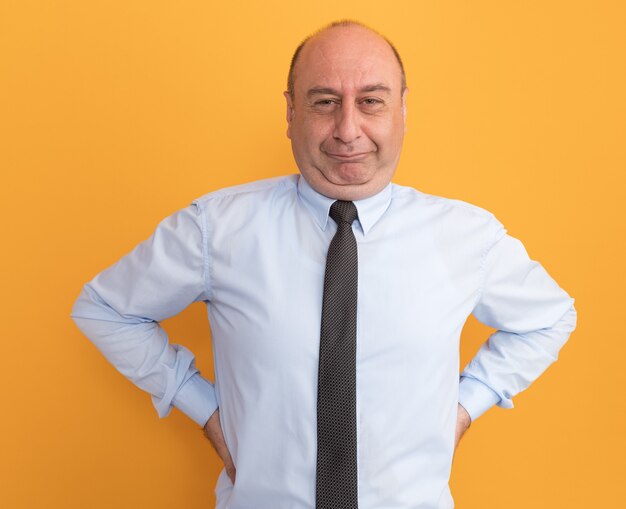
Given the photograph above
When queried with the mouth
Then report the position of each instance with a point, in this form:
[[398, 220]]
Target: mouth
[[348, 158]]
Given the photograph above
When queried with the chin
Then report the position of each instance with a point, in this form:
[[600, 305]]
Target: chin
[[350, 174], [347, 182], [350, 192]]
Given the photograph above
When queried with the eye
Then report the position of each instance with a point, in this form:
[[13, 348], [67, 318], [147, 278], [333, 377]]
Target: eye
[[325, 102], [372, 102], [325, 105]]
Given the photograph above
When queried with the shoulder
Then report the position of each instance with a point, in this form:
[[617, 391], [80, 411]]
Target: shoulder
[[257, 190], [410, 196], [448, 215]]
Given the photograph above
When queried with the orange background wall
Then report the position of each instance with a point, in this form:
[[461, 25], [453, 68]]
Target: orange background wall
[[114, 114]]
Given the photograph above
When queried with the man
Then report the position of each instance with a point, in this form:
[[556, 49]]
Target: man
[[368, 412]]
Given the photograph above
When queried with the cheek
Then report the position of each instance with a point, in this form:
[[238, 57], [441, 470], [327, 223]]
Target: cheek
[[311, 133], [387, 136], [379, 135]]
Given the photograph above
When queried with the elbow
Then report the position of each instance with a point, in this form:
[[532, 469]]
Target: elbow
[[84, 304], [570, 318], [78, 302], [563, 328], [566, 323], [90, 306]]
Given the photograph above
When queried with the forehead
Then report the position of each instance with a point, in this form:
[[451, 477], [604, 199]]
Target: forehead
[[346, 58]]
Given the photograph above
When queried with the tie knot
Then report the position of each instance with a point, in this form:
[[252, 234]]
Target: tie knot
[[343, 212]]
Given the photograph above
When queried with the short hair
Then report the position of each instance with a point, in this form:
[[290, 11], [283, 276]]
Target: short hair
[[341, 23]]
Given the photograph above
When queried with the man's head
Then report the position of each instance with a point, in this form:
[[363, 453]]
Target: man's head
[[346, 110]]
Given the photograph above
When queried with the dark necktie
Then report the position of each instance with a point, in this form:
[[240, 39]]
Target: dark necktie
[[336, 484]]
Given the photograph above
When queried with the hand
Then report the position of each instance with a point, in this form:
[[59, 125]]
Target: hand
[[463, 421], [213, 431]]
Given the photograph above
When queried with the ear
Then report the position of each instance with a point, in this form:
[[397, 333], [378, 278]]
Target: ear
[[290, 112], [406, 91]]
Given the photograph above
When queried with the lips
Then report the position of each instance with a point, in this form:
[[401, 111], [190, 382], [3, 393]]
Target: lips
[[348, 158]]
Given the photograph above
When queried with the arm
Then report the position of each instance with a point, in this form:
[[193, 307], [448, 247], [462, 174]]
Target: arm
[[120, 310], [534, 318]]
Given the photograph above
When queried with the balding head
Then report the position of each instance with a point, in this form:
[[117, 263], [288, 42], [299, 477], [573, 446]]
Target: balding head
[[339, 24]]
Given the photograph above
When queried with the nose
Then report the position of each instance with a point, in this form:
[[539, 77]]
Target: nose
[[347, 123]]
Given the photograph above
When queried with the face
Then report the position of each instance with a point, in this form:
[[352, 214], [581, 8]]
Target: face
[[346, 120]]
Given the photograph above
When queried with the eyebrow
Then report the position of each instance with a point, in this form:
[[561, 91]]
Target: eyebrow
[[331, 91]]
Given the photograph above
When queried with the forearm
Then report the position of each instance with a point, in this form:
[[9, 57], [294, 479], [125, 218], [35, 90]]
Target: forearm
[[140, 350]]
